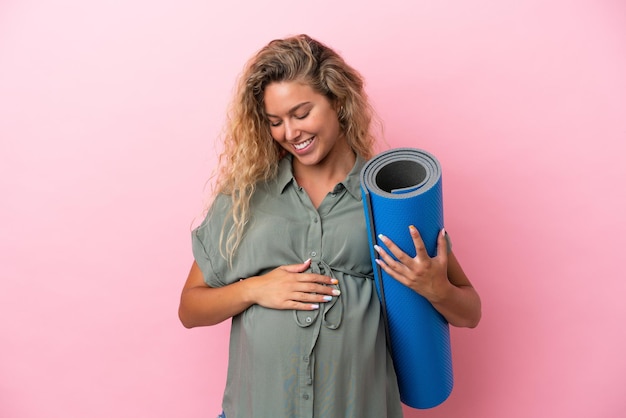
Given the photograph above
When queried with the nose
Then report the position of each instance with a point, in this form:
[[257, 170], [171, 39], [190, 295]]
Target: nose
[[291, 132]]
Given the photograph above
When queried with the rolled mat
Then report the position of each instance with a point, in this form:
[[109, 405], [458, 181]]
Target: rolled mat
[[402, 187]]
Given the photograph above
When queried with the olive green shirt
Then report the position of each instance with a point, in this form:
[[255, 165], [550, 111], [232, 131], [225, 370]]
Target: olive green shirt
[[332, 362]]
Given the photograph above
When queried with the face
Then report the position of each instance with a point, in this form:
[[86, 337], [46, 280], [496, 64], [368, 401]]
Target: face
[[303, 122]]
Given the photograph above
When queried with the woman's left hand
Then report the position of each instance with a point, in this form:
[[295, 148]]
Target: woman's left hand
[[425, 275]]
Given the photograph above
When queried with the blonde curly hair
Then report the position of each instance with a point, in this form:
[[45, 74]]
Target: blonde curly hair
[[250, 155]]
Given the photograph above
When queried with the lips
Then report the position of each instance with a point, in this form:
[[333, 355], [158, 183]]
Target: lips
[[303, 145]]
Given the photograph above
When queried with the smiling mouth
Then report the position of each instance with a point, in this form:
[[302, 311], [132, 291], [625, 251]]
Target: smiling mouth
[[303, 145]]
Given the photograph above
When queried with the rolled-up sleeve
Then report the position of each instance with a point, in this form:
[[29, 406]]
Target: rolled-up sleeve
[[205, 243]]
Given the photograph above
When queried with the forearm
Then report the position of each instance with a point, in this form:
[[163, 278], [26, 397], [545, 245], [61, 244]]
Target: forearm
[[460, 305], [455, 298], [203, 306]]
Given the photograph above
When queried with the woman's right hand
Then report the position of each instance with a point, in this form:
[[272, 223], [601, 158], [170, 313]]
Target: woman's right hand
[[288, 287]]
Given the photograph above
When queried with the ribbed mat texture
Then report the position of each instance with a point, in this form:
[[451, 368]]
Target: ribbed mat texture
[[402, 187]]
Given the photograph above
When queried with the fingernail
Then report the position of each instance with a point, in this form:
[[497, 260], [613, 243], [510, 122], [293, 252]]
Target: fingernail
[[382, 237], [336, 292], [377, 248], [307, 260], [328, 298], [334, 281], [315, 306]]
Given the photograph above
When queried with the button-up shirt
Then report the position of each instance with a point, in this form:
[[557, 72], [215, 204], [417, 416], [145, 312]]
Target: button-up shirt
[[331, 362]]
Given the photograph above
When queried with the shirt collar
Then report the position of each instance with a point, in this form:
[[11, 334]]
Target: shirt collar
[[285, 173], [352, 182]]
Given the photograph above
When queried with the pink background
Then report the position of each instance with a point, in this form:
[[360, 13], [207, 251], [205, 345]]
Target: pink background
[[108, 115]]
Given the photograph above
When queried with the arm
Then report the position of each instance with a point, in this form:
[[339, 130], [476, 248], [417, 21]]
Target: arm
[[285, 287], [440, 279], [458, 302], [203, 305]]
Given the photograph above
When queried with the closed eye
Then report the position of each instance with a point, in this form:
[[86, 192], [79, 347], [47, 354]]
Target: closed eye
[[275, 124]]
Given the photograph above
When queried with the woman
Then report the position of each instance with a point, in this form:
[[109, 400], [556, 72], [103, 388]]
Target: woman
[[283, 250]]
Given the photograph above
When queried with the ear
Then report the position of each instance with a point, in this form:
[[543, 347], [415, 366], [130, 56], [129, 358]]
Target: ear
[[341, 113]]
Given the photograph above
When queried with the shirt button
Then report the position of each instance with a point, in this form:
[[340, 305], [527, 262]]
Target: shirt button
[[306, 359], [313, 253], [308, 319], [305, 396], [315, 220]]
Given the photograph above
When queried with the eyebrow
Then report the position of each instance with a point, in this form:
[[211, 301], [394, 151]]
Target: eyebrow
[[292, 110]]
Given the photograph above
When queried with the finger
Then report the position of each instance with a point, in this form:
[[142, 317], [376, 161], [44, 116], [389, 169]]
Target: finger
[[395, 250], [418, 242], [308, 301], [442, 245], [298, 268], [310, 288], [315, 297], [317, 278], [385, 258], [389, 270], [301, 306]]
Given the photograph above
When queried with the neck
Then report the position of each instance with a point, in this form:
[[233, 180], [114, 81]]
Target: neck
[[328, 172]]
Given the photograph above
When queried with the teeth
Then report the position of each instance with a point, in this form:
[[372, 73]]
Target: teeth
[[303, 145]]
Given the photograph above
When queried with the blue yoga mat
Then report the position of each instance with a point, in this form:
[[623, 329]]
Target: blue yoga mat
[[402, 187]]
